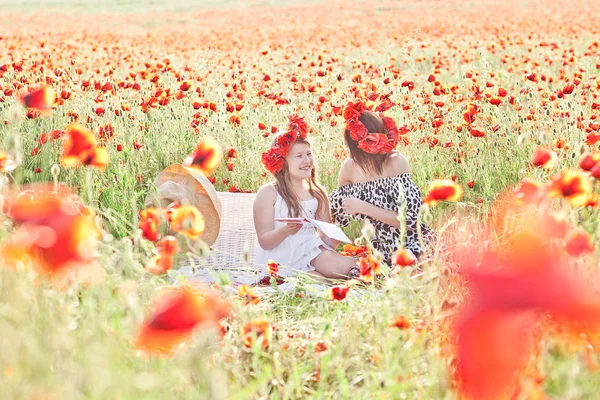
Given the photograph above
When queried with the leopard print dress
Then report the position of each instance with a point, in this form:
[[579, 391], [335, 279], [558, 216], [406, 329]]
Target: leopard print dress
[[385, 193]]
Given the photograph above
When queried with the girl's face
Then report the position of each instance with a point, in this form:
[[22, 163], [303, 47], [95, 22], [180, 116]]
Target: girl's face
[[299, 161]]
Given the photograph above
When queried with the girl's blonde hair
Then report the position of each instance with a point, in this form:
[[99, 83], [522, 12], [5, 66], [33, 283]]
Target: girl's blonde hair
[[282, 183]]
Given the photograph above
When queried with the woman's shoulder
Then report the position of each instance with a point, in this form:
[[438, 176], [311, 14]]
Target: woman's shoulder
[[396, 164]]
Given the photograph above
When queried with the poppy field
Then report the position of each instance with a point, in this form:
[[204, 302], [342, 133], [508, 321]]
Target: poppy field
[[497, 108]]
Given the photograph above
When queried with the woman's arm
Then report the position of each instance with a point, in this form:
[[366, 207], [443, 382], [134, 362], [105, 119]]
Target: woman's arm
[[397, 164], [264, 220], [356, 206]]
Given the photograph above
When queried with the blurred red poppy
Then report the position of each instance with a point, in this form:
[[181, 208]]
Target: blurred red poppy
[[56, 232], [176, 313], [149, 222], [248, 295], [443, 190], [401, 322], [403, 258], [257, 331], [187, 220], [79, 148], [338, 293], [42, 98], [206, 157]]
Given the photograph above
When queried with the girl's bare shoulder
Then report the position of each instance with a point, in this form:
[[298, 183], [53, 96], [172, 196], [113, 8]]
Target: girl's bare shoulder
[[266, 194]]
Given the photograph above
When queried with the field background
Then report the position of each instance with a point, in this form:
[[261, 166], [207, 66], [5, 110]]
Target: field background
[[78, 343]]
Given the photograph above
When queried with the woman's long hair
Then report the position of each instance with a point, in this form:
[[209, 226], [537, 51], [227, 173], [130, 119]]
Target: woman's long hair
[[282, 181], [372, 163]]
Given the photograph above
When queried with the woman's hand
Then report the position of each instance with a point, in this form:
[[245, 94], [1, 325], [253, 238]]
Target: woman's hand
[[291, 228], [353, 206]]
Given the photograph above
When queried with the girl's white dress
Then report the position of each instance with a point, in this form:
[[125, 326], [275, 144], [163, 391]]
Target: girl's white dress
[[297, 251]]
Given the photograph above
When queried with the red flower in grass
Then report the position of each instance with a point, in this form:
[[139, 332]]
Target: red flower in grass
[[403, 258], [273, 268], [511, 289], [369, 267], [257, 331], [79, 148], [443, 190], [56, 233], [42, 98], [544, 158], [187, 220], [206, 157], [401, 322], [149, 222], [573, 186], [177, 313], [338, 293], [578, 243], [354, 251], [163, 261], [248, 295]]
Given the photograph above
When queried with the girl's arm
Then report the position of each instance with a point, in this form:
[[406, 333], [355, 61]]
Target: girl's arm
[[263, 211]]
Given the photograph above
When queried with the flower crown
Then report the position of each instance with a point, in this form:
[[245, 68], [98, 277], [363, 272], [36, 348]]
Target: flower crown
[[274, 158], [373, 143]]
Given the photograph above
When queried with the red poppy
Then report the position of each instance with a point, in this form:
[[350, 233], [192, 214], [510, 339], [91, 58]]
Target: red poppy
[[55, 231], [206, 157], [248, 295], [338, 293], [272, 268], [369, 267], [528, 191], [544, 158], [573, 186], [177, 312], [297, 124], [374, 143], [79, 148], [403, 258], [511, 288], [188, 221], [257, 331], [443, 190], [578, 243], [41, 99], [149, 222], [353, 250], [401, 322], [272, 160]]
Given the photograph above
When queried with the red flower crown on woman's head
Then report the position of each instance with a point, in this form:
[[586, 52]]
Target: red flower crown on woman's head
[[274, 158], [369, 142]]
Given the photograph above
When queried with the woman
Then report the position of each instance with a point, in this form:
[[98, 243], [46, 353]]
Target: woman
[[375, 180]]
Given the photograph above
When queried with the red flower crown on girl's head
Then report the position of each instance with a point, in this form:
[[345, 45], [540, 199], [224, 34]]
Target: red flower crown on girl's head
[[274, 158], [373, 143]]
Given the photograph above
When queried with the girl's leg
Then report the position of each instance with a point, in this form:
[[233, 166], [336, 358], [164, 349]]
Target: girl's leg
[[332, 265], [318, 277]]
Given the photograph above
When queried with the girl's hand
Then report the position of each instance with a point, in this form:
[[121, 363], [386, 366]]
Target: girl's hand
[[291, 228], [353, 206]]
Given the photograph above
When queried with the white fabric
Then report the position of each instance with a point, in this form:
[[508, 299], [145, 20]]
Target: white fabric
[[297, 251]]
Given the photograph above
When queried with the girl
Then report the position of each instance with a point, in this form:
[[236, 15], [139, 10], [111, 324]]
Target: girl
[[295, 193], [374, 180]]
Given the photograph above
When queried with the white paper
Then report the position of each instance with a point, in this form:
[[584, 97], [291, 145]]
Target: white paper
[[329, 230]]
